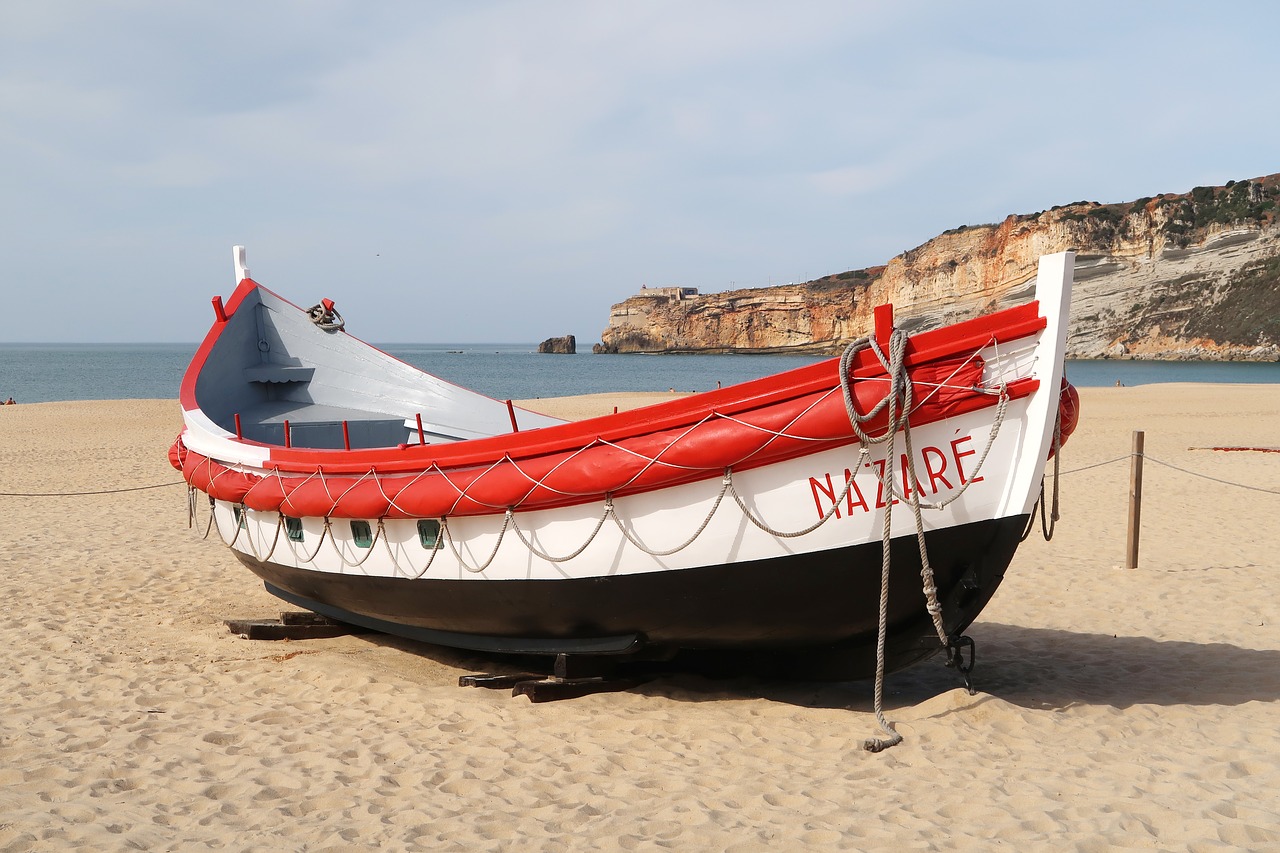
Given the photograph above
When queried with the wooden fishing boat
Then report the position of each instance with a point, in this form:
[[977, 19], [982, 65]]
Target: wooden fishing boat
[[752, 517]]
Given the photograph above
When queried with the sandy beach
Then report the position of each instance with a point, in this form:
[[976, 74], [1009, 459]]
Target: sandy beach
[[1115, 709]]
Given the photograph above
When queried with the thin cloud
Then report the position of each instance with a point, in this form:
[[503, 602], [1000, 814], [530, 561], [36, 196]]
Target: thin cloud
[[556, 155]]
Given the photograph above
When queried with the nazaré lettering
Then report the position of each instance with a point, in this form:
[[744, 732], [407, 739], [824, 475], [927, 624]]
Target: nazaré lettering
[[816, 486], [819, 490], [854, 490], [958, 455], [942, 469], [906, 475], [929, 455]]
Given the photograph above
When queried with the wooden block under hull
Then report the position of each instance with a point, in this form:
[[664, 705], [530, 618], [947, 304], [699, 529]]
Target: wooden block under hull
[[292, 626]]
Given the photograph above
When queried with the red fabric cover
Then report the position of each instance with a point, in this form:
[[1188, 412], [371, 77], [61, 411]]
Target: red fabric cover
[[768, 434]]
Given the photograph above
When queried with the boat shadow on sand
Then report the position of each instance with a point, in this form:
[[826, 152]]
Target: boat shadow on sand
[[1036, 668]]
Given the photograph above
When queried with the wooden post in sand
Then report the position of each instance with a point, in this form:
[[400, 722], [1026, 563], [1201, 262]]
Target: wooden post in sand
[[1135, 500]]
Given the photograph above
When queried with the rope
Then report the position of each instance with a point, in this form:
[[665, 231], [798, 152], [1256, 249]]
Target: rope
[[435, 549], [324, 531], [84, 494], [835, 505], [191, 511], [537, 552], [1213, 479], [326, 317], [1148, 457], [479, 567], [214, 525], [342, 558], [890, 401], [254, 549], [898, 404], [1099, 464], [1048, 520]]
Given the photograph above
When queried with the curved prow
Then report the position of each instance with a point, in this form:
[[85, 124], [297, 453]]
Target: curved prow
[[1054, 280], [242, 269]]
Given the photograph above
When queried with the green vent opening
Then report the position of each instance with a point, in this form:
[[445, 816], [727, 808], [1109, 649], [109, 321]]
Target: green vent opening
[[428, 532], [362, 533], [293, 528], [239, 513]]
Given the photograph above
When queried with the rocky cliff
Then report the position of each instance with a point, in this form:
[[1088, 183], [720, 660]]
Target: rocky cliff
[[1190, 276], [566, 345]]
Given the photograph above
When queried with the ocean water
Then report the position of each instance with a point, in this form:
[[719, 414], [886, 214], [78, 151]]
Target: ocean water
[[1094, 373], [37, 373]]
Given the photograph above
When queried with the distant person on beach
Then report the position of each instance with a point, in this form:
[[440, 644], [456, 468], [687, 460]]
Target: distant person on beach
[[10, 402]]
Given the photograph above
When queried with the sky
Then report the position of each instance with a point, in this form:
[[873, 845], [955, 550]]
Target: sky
[[507, 171]]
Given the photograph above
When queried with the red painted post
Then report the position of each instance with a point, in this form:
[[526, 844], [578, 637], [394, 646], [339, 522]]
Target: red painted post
[[218, 310], [884, 325], [511, 410], [238, 433], [346, 436], [287, 441]]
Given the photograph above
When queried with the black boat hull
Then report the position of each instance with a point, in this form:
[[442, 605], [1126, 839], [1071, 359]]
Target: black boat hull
[[814, 604]]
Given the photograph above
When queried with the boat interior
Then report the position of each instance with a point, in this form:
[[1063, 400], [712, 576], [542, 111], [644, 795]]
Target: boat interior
[[272, 366]]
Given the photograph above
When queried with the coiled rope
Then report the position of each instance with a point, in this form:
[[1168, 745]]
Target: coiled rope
[[326, 317]]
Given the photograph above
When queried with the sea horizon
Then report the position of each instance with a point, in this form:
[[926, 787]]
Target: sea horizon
[[53, 371]]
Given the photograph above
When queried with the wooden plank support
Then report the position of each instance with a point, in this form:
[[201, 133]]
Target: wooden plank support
[[574, 676], [499, 681], [554, 689], [291, 626]]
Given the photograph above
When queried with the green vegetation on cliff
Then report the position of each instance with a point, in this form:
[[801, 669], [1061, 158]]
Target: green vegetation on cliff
[[1237, 202], [1249, 310]]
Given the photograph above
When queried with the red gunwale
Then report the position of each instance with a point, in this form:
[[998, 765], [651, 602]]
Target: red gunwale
[[536, 486], [962, 338]]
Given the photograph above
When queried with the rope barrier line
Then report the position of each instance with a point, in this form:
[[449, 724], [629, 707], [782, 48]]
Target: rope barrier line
[[1213, 479], [1148, 457], [84, 494], [1124, 458]]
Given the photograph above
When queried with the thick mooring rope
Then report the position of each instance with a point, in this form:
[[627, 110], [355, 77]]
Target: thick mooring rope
[[896, 394], [897, 404]]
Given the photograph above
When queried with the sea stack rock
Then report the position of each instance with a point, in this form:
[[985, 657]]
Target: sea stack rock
[[567, 345]]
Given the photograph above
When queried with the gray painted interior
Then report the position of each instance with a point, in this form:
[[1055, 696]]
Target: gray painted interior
[[271, 364]]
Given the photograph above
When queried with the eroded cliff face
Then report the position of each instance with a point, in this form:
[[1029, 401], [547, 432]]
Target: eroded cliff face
[[1190, 276]]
